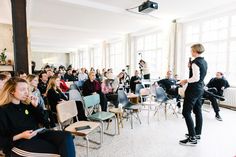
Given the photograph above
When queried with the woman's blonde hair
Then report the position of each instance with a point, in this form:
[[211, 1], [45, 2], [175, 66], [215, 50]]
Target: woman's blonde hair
[[199, 48], [9, 87], [30, 78], [52, 84]]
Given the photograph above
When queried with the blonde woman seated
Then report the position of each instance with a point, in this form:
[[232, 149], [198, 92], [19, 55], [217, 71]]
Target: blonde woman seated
[[20, 115], [33, 81], [54, 93]]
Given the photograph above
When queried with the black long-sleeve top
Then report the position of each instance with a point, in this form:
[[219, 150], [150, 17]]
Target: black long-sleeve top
[[17, 118], [218, 84], [132, 83], [54, 97]]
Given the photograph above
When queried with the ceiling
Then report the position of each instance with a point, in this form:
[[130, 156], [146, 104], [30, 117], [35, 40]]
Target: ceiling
[[66, 25]]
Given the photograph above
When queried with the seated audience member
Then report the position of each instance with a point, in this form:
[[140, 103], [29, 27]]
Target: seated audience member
[[75, 75], [33, 81], [82, 76], [118, 82], [50, 73], [8, 74], [3, 80], [134, 80], [169, 85], [216, 86], [43, 82], [99, 76], [92, 86], [21, 74], [54, 93], [108, 91], [63, 86], [18, 122], [110, 74], [68, 75], [92, 69]]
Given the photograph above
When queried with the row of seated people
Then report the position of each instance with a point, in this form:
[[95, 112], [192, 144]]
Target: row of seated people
[[213, 91], [21, 114], [52, 93]]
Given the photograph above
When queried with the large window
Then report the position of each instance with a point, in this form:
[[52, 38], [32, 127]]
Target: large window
[[97, 58], [150, 48], [84, 60], [218, 35], [117, 61]]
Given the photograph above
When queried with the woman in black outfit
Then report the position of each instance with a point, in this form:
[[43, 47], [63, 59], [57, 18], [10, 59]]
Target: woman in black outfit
[[193, 95], [54, 93], [20, 115]]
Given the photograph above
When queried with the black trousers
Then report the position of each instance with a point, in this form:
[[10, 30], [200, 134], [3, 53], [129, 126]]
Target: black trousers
[[113, 98], [192, 101], [213, 100], [56, 142], [103, 101]]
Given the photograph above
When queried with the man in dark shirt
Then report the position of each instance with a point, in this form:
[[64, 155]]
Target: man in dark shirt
[[216, 86], [43, 81], [134, 80], [92, 86], [169, 85], [68, 75]]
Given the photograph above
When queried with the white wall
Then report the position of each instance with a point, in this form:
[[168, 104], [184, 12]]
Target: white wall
[[57, 59], [6, 40]]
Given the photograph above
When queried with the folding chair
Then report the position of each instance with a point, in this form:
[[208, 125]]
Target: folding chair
[[67, 111]]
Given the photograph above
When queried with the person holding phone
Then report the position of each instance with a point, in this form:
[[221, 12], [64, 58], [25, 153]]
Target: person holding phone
[[193, 95], [20, 116]]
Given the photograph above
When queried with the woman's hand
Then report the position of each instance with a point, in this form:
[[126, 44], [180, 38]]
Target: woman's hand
[[34, 100], [28, 134]]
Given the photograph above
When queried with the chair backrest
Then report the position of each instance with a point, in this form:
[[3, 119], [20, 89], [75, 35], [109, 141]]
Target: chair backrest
[[122, 97], [144, 92], [161, 95], [137, 88], [74, 94], [73, 86], [66, 110], [91, 100]]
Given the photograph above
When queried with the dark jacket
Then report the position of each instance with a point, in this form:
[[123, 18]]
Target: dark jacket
[[15, 119]]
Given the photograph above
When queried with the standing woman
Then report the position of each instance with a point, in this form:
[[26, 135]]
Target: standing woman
[[54, 93], [193, 95], [19, 119]]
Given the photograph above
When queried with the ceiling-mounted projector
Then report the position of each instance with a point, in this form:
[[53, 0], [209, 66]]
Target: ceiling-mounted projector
[[148, 7]]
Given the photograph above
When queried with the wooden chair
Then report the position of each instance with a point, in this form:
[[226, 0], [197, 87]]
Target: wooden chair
[[67, 110]]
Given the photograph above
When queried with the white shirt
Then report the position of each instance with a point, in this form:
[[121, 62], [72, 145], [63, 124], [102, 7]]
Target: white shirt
[[196, 74]]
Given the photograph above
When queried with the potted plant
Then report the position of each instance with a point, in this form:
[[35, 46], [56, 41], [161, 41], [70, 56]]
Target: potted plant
[[3, 56]]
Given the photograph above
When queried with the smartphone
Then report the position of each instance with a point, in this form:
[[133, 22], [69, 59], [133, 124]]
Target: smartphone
[[82, 128], [40, 130]]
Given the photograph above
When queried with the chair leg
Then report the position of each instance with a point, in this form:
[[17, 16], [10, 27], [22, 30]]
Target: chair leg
[[87, 149], [149, 108], [138, 118], [165, 111], [131, 116]]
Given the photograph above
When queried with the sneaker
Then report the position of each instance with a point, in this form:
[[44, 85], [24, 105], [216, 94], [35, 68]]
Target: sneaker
[[191, 141], [218, 117], [198, 137]]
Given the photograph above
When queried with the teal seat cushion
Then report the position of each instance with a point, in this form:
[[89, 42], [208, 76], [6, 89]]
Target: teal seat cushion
[[101, 116]]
